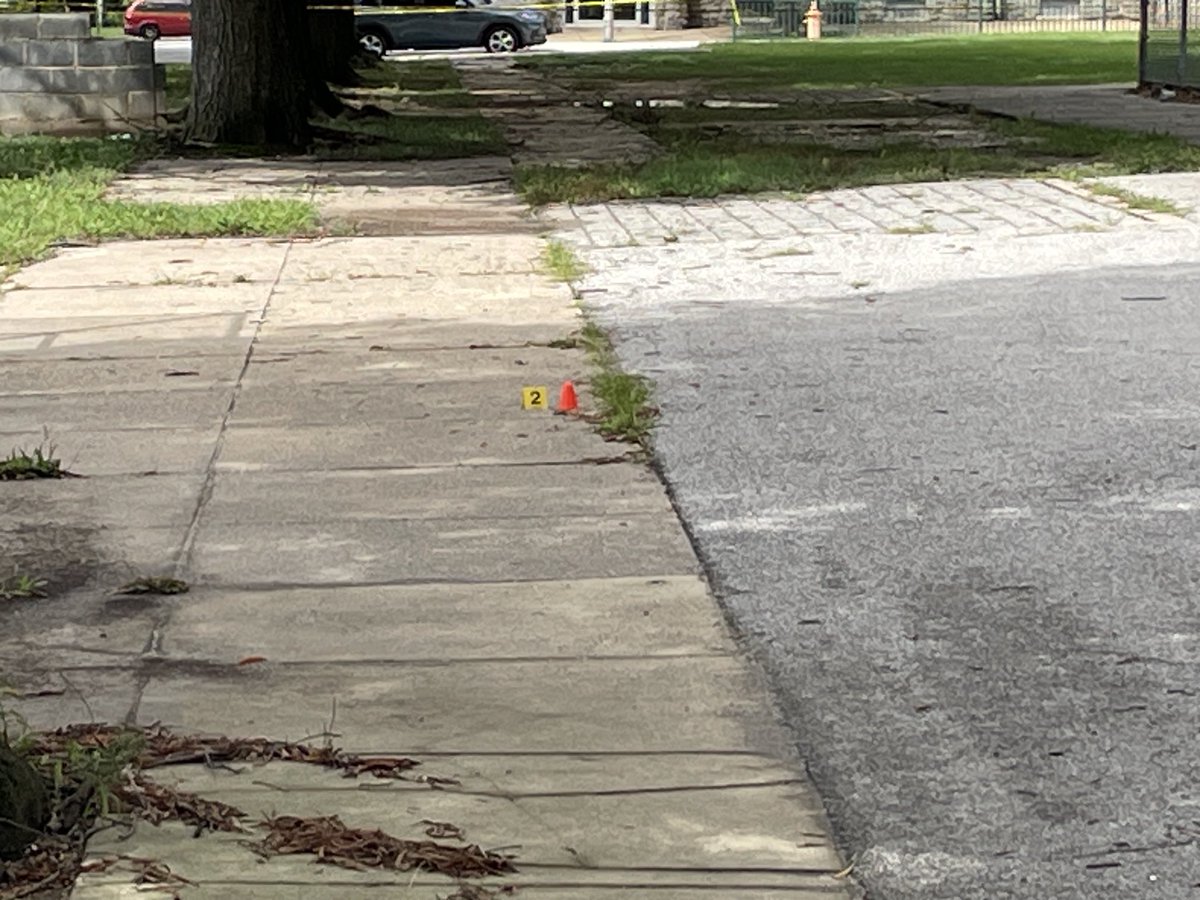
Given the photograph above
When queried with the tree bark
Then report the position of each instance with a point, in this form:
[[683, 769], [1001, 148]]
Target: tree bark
[[333, 41], [249, 80]]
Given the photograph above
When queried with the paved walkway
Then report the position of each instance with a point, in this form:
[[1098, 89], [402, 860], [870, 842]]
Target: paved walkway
[[1106, 106], [324, 437]]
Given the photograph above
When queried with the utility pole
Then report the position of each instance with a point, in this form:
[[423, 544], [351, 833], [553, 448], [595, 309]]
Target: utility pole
[[608, 21]]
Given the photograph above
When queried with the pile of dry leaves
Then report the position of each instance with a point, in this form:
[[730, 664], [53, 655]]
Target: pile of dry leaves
[[54, 864], [327, 838]]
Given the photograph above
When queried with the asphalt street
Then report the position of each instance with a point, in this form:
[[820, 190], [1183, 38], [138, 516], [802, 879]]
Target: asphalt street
[[957, 525], [179, 50]]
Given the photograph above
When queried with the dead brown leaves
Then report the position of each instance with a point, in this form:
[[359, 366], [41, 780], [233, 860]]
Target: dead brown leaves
[[157, 803], [40, 872], [163, 747], [332, 842]]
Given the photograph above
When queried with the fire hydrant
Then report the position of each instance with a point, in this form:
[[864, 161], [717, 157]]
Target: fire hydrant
[[812, 22]]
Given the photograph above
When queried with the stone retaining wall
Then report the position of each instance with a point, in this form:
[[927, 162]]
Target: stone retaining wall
[[56, 78]]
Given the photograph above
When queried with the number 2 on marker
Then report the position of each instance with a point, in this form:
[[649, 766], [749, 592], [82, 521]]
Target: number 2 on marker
[[535, 397]]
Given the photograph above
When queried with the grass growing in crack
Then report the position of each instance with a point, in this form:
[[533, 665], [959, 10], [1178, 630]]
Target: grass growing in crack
[[52, 189], [1134, 200], [625, 412], [154, 585], [25, 465], [562, 262], [92, 772], [22, 586]]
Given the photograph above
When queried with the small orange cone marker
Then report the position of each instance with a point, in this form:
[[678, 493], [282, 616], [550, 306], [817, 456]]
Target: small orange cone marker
[[567, 401]]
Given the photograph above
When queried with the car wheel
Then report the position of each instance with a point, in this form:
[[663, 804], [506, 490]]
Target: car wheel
[[150, 32], [502, 40], [374, 43]]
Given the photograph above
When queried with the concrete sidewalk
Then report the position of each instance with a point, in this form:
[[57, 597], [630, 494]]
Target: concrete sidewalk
[[1101, 105], [325, 438]]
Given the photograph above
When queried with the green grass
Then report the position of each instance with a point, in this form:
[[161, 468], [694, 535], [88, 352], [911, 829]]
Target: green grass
[[699, 164], [52, 189], [414, 135], [22, 586], [1134, 200], [1076, 58], [27, 465], [1101, 151], [417, 136], [429, 83], [625, 413], [561, 261], [731, 166], [415, 75]]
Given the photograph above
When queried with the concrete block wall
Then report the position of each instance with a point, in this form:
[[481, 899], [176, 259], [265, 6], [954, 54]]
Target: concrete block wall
[[56, 78]]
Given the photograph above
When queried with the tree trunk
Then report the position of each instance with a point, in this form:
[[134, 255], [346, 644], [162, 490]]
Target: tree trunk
[[23, 812], [333, 40], [249, 79]]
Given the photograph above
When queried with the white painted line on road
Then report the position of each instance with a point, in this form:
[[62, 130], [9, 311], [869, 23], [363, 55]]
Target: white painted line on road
[[780, 519]]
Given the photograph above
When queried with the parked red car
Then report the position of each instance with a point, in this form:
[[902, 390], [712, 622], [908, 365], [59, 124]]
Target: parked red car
[[153, 19]]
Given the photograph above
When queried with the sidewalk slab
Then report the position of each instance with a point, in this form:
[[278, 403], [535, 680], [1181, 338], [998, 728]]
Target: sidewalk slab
[[462, 493], [84, 332], [37, 376], [45, 347], [129, 552], [349, 551], [363, 258], [434, 623], [95, 452], [517, 775], [381, 368], [316, 404], [48, 700], [610, 835], [122, 264], [178, 408], [694, 704], [414, 443], [167, 501]]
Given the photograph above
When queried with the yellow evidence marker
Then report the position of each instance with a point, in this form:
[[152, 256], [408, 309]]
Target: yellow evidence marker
[[535, 398]]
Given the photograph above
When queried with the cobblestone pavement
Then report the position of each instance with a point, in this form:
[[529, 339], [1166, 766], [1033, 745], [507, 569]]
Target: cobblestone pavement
[[995, 208]]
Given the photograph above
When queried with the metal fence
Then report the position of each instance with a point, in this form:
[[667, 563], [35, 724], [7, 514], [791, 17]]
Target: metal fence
[[1168, 51], [785, 18]]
